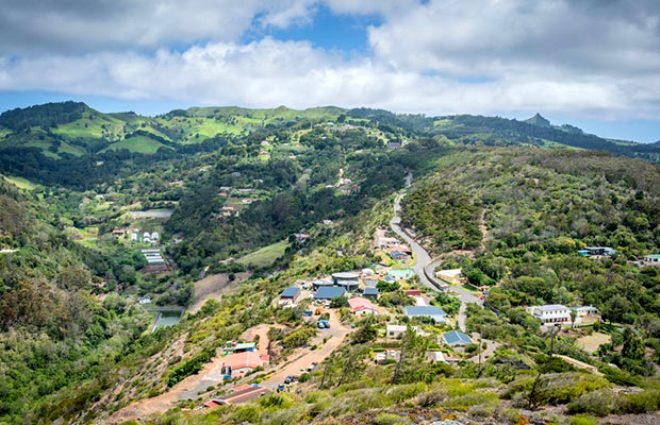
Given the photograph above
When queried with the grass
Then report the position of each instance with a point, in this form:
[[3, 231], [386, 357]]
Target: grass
[[137, 144], [20, 182], [265, 256]]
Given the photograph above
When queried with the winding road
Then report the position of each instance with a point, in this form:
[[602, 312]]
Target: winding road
[[424, 265]]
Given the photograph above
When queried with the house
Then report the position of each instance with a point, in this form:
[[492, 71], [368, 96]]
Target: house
[[397, 331], [651, 260], [318, 283], [453, 276], [387, 242], [371, 293], [144, 300], [360, 306], [370, 282], [301, 237], [552, 313], [413, 292], [329, 293], [599, 251], [289, 295], [425, 311], [155, 236], [582, 313], [456, 339], [240, 364], [398, 255], [348, 280], [118, 233], [239, 347], [436, 357]]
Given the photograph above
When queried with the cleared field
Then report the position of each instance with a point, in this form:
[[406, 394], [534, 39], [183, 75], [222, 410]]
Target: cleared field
[[265, 256], [590, 343], [20, 182], [138, 144]]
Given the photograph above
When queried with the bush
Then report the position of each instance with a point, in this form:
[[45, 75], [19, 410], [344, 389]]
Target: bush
[[583, 420]]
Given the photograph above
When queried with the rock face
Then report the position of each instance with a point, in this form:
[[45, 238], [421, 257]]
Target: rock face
[[539, 121]]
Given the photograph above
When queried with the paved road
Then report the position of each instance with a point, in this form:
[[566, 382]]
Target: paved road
[[423, 261]]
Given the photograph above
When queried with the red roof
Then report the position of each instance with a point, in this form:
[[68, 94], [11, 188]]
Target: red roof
[[243, 387], [359, 304], [211, 404], [414, 292], [245, 360]]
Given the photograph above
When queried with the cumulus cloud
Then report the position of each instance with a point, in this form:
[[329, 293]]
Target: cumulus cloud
[[591, 58]]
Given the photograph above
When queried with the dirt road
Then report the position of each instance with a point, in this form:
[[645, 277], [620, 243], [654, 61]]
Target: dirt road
[[336, 335]]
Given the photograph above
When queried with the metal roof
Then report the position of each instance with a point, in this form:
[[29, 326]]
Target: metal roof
[[371, 291], [329, 292], [424, 310], [290, 292], [456, 338]]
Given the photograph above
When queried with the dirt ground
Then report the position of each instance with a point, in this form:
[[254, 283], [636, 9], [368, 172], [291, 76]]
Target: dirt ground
[[304, 358], [213, 287], [591, 342]]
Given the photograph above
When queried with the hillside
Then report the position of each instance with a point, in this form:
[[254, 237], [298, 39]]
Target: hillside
[[291, 197], [41, 142]]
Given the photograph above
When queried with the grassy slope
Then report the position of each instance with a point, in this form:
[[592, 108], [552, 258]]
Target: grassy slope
[[265, 256], [138, 144]]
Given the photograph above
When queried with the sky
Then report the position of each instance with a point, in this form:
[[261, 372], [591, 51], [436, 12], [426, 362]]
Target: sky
[[590, 63]]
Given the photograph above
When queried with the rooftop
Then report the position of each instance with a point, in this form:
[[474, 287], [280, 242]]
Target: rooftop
[[290, 292], [358, 304], [456, 338], [329, 292], [551, 307], [246, 359], [371, 291], [423, 310]]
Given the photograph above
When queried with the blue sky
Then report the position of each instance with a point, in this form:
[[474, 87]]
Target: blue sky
[[592, 64]]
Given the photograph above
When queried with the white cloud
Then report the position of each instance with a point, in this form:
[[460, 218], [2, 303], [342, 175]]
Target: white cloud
[[589, 58]]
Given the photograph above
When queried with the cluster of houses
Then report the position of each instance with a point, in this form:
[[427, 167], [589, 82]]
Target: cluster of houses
[[557, 314], [394, 248], [134, 235]]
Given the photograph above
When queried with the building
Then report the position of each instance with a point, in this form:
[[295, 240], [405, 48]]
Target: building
[[289, 295], [239, 347], [426, 311], [597, 251], [360, 306], [371, 293], [436, 357], [397, 331], [651, 260], [240, 364], [329, 293], [318, 283], [456, 339], [348, 280], [453, 276], [550, 314]]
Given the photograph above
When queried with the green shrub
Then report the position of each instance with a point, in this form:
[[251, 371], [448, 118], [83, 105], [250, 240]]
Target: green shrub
[[387, 419], [583, 420]]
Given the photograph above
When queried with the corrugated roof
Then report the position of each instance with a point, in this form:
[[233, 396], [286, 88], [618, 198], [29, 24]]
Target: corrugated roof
[[329, 292], [424, 310], [290, 292], [456, 338], [371, 291]]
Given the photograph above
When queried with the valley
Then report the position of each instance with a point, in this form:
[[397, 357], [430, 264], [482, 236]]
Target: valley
[[327, 266]]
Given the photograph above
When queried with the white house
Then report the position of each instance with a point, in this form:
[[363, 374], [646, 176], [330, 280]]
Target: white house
[[397, 331], [551, 313]]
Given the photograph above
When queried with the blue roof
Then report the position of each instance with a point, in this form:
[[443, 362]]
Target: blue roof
[[456, 338], [329, 292], [371, 291], [290, 292], [423, 310]]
